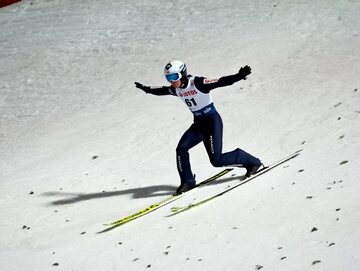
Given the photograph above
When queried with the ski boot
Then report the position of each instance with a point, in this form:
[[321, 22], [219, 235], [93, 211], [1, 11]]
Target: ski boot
[[252, 169]]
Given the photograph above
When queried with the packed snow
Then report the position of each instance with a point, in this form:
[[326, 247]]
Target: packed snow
[[81, 146]]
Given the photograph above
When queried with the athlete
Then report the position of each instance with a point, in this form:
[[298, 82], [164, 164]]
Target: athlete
[[207, 127]]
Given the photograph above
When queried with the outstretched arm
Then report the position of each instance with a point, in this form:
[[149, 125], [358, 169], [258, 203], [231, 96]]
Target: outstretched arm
[[155, 90], [205, 85]]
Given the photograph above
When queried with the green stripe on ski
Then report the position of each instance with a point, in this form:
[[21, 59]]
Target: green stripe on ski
[[140, 213], [167, 200], [162, 203], [177, 210]]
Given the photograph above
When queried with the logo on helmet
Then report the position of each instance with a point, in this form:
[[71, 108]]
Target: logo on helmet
[[168, 66]]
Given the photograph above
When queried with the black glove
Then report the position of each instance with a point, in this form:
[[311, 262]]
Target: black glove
[[244, 71], [142, 87]]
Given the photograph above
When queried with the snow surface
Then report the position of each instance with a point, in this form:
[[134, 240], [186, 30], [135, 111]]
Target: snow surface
[[81, 146]]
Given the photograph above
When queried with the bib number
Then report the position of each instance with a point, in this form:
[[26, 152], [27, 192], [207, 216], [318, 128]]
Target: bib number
[[190, 102]]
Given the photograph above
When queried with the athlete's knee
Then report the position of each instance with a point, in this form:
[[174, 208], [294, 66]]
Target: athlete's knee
[[216, 161], [182, 148]]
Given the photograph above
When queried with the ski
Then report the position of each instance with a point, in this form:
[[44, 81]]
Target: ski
[[160, 204], [177, 210]]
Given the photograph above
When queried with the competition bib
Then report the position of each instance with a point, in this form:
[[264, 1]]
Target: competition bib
[[200, 104]]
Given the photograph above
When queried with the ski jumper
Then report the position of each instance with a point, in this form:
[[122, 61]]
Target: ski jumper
[[207, 126]]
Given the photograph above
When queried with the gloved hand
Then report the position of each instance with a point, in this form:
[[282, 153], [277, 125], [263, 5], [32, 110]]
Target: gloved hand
[[244, 71], [142, 87]]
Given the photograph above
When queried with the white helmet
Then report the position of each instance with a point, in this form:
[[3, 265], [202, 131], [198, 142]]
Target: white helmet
[[175, 70]]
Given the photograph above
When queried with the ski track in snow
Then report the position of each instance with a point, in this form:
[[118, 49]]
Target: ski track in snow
[[81, 146]]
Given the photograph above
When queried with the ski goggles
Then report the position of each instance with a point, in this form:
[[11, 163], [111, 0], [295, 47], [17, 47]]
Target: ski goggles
[[173, 77]]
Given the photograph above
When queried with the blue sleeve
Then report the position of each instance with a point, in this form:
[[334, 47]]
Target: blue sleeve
[[205, 85], [160, 91]]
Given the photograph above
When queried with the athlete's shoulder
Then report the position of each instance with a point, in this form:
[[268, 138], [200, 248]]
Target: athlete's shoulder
[[200, 80], [204, 84]]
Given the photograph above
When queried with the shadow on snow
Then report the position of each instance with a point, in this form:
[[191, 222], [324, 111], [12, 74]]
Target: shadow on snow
[[137, 193]]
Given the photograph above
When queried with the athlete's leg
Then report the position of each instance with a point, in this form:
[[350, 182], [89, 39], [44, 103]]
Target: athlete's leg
[[190, 138], [213, 144]]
